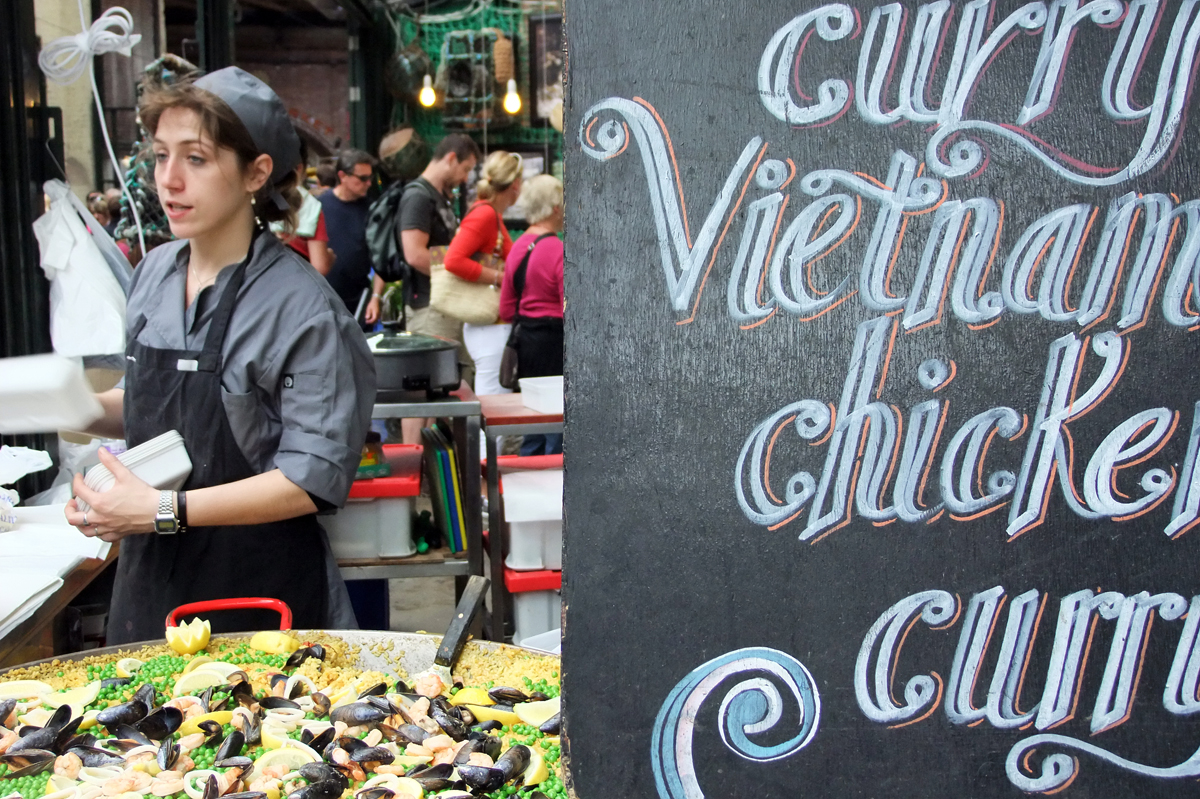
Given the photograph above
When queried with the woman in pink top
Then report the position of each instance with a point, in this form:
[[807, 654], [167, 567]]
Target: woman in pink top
[[533, 301]]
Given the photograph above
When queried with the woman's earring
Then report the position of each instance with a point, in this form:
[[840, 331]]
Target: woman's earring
[[253, 200]]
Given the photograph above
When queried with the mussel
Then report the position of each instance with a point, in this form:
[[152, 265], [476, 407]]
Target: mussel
[[161, 723], [46, 737], [322, 772], [383, 704], [404, 734], [402, 687], [514, 761], [245, 795], [481, 779], [277, 702], [168, 753], [130, 712], [375, 690], [490, 745], [322, 789], [507, 696], [318, 741], [231, 747], [351, 744], [212, 732], [321, 704], [377, 792], [239, 762], [304, 653], [243, 693], [27, 762], [465, 715], [357, 714], [433, 778], [8, 708], [538, 696], [552, 725], [211, 789], [451, 725], [487, 726], [94, 757], [372, 754]]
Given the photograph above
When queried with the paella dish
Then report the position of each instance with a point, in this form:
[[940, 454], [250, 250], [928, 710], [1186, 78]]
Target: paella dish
[[277, 717]]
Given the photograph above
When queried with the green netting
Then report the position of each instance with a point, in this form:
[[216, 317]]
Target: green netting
[[524, 132]]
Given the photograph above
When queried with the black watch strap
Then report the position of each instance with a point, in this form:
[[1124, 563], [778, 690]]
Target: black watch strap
[[181, 498]]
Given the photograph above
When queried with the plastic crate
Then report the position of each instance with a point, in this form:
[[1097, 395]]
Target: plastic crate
[[377, 519], [536, 601], [533, 511]]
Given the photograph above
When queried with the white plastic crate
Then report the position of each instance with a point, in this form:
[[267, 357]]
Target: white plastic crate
[[542, 394], [533, 510], [369, 528], [536, 600]]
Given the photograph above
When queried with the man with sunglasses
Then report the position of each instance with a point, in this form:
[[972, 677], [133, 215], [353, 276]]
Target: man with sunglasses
[[346, 208]]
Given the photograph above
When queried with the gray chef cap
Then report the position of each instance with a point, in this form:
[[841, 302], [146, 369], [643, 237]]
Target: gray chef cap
[[264, 116]]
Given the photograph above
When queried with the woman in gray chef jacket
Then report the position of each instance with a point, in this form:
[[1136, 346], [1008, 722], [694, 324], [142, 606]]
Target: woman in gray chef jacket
[[237, 343]]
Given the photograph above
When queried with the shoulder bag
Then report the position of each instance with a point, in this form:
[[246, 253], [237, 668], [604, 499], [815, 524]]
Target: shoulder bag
[[509, 373], [464, 300]]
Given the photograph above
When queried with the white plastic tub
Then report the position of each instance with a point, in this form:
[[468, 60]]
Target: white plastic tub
[[542, 394], [533, 510], [44, 393], [536, 601], [377, 519]]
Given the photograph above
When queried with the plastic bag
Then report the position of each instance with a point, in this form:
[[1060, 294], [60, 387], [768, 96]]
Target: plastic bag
[[87, 303]]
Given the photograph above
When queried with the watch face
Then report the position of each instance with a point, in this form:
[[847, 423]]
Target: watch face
[[166, 525]]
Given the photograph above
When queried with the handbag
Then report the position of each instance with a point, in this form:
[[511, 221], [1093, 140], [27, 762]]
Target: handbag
[[465, 300], [509, 360]]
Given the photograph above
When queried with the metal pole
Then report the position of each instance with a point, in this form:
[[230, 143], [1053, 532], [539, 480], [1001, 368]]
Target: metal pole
[[214, 31]]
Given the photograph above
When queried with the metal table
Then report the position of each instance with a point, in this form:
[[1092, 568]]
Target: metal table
[[505, 415], [463, 408]]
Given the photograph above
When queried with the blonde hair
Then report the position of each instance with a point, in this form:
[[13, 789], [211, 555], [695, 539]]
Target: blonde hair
[[540, 196], [500, 170]]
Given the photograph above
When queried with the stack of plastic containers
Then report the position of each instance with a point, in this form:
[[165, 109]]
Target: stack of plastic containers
[[532, 490], [162, 462]]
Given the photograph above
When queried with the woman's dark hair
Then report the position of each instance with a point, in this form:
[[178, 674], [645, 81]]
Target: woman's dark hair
[[219, 123]]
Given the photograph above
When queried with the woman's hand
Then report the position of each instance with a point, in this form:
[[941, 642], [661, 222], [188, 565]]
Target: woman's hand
[[128, 507]]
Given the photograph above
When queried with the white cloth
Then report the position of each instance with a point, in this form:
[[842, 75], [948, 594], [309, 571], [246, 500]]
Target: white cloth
[[87, 303], [486, 345], [307, 217]]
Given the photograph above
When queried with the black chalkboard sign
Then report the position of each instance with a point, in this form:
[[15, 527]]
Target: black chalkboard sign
[[883, 419]]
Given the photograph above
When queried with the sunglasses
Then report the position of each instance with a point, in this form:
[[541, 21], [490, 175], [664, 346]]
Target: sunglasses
[[361, 178]]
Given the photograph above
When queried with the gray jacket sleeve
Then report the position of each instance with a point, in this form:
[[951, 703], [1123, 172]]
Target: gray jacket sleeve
[[326, 385]]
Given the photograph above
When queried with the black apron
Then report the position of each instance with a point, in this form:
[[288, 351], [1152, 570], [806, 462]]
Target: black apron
[[181, 390]]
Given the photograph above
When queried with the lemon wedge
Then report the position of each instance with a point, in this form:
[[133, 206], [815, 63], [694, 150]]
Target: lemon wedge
[[536, 714], [196, 663], [406, 787], [290, 757], [274, 642], [197, 681], [24, 689], [190, 637], [471, 696], [219, 667], [127, 667], [273, 737], [493, 713], [536, 772], [192, 725]]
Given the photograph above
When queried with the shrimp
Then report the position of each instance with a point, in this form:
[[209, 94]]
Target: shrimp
[[68, 766], [184, 764], [241, 717], [128, 782], [373, 737], [191, 706], [167, 788], [416, 750], [276, 772], [429, 685], [7, 739], [437, 743], [189, 742], [398, 771], [480, 759]]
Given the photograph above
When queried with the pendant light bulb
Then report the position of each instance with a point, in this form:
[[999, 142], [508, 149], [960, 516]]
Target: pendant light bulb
[[512, 100], [427, 97]]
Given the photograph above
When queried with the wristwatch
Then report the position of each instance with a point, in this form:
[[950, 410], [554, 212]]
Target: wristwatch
[[165, 521]]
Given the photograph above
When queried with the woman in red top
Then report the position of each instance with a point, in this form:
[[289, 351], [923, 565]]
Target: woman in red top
[[477, 254]]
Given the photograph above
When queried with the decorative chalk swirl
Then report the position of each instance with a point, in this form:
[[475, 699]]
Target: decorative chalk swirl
[[752, 706], [1058, 769]]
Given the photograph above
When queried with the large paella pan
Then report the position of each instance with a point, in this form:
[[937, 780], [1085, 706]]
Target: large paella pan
[[300, 715]]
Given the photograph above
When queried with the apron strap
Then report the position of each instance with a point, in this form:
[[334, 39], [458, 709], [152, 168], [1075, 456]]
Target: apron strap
[[210, 357]]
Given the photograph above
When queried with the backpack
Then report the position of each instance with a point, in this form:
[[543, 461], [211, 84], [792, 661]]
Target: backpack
[[386, 257]]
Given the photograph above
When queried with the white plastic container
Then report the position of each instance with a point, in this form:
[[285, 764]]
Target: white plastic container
[[533, 510], [542, 394], [377, 519], [44, 393], [162, 462], [549, 642], [536, 602]]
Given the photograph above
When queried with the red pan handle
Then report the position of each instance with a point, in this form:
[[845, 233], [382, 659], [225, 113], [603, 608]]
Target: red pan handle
[[240, 603]]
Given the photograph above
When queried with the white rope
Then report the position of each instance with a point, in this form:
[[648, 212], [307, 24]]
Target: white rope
[[64, 60]]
